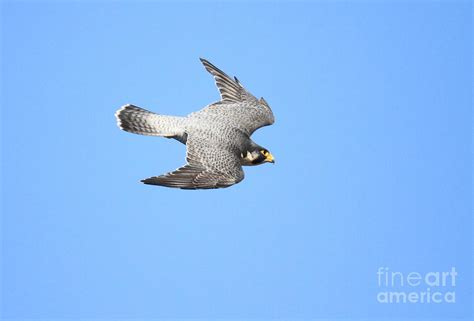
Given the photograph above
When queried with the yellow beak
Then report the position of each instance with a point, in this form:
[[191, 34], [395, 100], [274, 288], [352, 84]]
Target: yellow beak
[[270, 158]]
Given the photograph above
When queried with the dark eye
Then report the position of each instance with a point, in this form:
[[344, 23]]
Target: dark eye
[[265, 152]]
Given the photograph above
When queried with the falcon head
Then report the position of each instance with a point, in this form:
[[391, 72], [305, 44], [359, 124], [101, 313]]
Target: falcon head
[[256, 156]]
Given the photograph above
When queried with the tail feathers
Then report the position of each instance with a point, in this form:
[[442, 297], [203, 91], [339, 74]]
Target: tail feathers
[[140, 121]]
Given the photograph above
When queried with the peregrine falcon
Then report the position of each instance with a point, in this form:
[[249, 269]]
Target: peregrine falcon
[[217, 137]]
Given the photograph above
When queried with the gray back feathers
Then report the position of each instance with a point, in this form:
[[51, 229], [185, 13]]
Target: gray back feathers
[[215, 136]]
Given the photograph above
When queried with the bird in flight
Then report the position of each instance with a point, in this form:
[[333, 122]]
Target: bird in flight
[[217, 137]]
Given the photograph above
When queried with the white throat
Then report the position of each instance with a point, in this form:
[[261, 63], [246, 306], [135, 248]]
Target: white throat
[[248, 159]]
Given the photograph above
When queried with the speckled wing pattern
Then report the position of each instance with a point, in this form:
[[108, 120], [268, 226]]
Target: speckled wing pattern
[[239, 107], [216, 135], [208, 166]]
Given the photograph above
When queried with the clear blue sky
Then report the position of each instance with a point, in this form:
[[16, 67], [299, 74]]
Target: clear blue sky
[[372, 141]]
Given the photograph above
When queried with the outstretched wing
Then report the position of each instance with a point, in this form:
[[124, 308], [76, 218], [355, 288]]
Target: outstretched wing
[[231, 89], [215, 166], [192, 177], [237, 104]]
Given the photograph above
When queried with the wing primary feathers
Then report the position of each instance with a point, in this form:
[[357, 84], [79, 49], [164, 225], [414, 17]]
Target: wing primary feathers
[[192, 177], [213, 150], [231, 89]]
